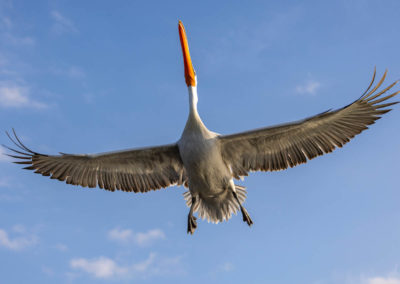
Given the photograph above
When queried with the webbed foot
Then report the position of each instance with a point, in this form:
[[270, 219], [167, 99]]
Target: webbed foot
[[246, 216], [192, 224]]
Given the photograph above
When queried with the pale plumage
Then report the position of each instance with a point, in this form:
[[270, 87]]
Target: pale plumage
[[207, 162]]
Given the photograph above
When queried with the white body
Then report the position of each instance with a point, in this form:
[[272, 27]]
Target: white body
[[209, 177]]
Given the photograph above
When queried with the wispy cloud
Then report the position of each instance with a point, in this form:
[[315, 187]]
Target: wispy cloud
[[17, 96], [11, 65], [12, 39], [107, 268], [3, 158], [61, 247], [62, 24], [126, 236], [18, 228], [309, 88], [392, 277], [9, 35], [14, 92], [383, 280], [244, 44], [20, 242]]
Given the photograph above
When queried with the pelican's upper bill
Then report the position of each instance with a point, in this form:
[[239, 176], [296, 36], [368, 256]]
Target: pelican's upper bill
[[190, 74]]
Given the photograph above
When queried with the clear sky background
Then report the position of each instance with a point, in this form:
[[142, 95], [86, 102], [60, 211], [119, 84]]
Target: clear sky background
[[95, 76]]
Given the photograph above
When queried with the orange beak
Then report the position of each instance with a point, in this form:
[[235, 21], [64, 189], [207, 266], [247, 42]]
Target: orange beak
[[190, 75]]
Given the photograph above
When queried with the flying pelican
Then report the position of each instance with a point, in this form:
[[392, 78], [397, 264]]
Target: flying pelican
[[207, 162]]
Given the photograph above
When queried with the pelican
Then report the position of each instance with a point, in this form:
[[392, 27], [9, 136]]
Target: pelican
[[206, 162]]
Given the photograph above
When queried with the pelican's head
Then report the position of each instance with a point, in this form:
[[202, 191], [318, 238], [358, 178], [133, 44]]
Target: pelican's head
[[190, 74]]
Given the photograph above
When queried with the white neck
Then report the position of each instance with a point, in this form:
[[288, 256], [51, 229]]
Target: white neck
[[193, 99], [194, 121]]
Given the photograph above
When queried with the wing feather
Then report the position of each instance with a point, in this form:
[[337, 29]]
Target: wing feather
[[137, 170], [282, 146]]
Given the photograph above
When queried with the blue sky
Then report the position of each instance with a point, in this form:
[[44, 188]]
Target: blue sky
[[80, 77]]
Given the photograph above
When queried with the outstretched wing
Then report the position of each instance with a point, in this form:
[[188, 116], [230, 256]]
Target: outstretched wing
[[137, 170], [282, 146]]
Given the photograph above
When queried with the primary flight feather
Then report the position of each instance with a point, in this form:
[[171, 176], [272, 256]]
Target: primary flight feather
[[207, 162]]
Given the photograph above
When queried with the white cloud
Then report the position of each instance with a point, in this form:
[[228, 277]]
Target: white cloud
[[144, 265], [107, 268], [17, 243], [150, 236], [141, 239], [120, 235], [383, 280], [392, 277], [62, 24], [101, 267], [309, 88], [13, 95]]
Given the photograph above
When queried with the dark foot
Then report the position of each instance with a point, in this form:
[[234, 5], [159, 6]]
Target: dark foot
[[192, 224], [246, 216]]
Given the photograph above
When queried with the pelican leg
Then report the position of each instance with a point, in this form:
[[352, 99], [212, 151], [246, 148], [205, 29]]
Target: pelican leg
[[245, 214], [192, 224]]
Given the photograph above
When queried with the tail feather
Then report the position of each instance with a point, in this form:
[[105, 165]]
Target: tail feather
[[217, 209]]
